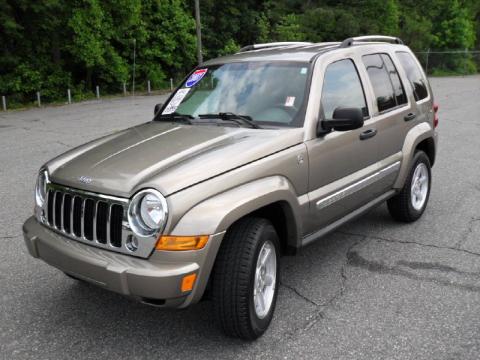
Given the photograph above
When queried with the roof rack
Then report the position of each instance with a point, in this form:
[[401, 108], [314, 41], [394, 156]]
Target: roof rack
[[375, 38], [272, 45]]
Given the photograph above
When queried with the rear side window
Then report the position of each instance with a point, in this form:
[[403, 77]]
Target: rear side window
[[414, 75], [342, 88], [386, 83]]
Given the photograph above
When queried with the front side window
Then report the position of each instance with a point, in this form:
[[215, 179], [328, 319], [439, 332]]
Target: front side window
[[342, 88], [386, 83], [270, 93], [414, 75]]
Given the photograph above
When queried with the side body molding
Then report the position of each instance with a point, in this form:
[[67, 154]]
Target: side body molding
[[416, 135], [217, 213]]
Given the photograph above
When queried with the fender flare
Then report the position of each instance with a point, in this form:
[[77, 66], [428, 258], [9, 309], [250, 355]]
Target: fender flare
[[414, 136], [218, 213]]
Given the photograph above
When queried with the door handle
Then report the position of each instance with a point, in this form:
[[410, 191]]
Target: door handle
[[367, 134], [409, 117]]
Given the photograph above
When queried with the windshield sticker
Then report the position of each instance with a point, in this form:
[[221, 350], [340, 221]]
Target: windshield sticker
[[289, 101], [303, 70], [175, 102], [195, 77]]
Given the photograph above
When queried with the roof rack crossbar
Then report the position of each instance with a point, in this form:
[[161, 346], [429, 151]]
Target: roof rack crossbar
[[380, 38], [272, 45]]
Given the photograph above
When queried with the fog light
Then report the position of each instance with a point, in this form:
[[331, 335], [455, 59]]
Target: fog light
[[131, 243]]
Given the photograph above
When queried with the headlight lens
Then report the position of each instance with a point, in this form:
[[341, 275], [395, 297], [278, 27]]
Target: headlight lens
[[41, 188], [151, 211], [147, 213]]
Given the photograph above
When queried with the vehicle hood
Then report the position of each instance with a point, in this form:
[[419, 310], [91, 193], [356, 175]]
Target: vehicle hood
[[168, 155]]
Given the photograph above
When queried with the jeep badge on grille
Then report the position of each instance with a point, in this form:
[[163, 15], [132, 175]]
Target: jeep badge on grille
[[85, 179]]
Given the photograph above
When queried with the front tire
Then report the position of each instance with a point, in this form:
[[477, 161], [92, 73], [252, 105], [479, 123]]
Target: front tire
[[410, 203], [246, 278]]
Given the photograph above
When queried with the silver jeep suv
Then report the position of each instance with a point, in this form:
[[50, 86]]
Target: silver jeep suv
[[254, 156]]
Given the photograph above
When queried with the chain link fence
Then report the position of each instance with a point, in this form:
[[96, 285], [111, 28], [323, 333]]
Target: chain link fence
[[449, 62], [435, 63]]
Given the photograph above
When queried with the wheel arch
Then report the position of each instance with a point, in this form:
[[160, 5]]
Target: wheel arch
[[273, 198], [428, 147], [420, 137]]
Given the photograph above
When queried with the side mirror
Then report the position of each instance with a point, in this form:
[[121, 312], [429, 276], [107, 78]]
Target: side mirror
[[157, 108], [344, 119]]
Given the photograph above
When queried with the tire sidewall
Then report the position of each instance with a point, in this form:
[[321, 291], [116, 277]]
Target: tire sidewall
[[420, 157], [260, 325]]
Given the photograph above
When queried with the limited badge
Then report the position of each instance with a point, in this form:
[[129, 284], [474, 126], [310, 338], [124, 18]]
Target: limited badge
[[195, 77]]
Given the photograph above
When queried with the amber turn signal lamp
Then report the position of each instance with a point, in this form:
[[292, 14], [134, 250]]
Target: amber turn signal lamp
[[188, 282], [179, 243]]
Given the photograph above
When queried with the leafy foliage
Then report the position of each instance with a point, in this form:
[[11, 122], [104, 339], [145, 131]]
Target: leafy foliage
[[52, 45]]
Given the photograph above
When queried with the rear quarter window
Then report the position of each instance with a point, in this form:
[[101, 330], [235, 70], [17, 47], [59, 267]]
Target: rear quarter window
[[414, 74]]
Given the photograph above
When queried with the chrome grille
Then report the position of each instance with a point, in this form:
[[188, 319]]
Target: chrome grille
[[88, 217], [92, 218]]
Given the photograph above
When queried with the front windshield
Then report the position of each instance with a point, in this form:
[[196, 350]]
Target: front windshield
[[269, 93]]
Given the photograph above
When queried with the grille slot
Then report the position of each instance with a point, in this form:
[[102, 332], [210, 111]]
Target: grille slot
[[77, 216], [101, 226], [67, 208], [57, 208], [116, 225], [50, 207], [85, 218], [88, 214]]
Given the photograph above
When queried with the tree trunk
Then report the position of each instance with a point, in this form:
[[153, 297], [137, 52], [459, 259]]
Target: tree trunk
[[89, 78]]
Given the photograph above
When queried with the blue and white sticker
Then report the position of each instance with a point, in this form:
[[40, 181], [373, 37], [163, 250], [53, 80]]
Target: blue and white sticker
[[195, 77]]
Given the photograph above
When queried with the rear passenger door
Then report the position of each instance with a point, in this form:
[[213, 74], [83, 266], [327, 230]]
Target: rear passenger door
[[393, 112]]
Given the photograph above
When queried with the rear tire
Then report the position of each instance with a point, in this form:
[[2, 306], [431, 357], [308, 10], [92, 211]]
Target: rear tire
[[410, 203], [239, 285]]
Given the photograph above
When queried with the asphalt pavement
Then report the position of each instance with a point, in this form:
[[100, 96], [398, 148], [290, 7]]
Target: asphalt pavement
[[374, 289]]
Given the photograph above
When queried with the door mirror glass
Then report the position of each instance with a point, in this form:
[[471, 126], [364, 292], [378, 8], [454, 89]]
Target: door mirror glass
[[344, 119], [157, 108]]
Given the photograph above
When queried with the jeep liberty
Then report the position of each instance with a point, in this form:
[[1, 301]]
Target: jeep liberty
[[253, 156]]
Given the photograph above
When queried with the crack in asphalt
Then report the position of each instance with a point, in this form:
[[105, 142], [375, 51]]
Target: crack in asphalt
[[9, 236], [412, 243], [299, 294], [63, 144], [469, 231], [343, 287], [352, 258]]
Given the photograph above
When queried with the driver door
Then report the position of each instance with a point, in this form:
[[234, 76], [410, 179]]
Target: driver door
[[340, 161]]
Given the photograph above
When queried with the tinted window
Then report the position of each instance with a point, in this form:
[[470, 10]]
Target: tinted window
[[414, 75], [398, 90], [385, 81], [342, 88]]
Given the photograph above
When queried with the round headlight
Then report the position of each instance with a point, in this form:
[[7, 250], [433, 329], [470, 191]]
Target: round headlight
[[41, 188], [147, 213], [151, 211]]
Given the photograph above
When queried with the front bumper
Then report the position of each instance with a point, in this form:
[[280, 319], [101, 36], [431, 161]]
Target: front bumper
[[156, 280]]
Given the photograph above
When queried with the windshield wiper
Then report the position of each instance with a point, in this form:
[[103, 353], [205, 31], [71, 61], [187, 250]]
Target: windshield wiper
[[239, 119], [175, 116]]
